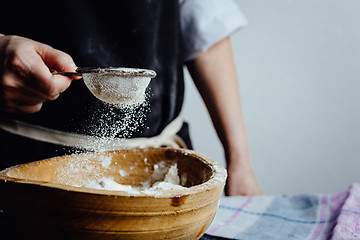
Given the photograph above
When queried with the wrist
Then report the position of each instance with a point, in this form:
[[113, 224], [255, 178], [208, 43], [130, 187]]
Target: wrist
[[237, 155]]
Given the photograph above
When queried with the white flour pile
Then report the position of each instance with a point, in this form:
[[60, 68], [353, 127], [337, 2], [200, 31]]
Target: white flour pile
[[171, 181]]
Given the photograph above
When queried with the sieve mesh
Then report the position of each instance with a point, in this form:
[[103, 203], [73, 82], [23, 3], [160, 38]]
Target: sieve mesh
[[118, 86], [117, 90]]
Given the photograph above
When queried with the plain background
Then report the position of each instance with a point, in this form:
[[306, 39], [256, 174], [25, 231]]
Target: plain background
[[298, 66]]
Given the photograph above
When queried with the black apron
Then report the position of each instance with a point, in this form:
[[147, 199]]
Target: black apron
[[132, 33]]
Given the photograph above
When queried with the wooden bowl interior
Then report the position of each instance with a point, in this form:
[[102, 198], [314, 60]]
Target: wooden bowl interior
[[129, 167]]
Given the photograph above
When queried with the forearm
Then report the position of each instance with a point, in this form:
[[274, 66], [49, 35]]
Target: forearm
[[214, 74]]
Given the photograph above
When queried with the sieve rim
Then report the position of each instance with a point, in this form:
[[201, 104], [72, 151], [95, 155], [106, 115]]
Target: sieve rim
[[121, 71]]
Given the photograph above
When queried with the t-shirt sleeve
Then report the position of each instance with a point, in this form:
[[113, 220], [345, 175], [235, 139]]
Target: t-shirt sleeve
[[206, 22]]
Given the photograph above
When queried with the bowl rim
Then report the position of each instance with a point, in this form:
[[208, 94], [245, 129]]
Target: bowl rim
[[217, 178]]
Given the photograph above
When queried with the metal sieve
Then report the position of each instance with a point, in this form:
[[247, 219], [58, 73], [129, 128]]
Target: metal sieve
[[115, 85]]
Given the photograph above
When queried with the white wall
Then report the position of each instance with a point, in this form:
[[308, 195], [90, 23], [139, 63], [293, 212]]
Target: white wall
[[299, 71]]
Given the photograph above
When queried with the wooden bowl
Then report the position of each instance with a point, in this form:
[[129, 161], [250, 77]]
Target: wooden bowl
[[42, 203]]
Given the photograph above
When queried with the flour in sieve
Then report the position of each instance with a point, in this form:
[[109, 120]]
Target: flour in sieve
[[121, 91]]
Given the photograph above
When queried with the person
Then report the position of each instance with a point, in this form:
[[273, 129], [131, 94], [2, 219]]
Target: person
[[36, 106]]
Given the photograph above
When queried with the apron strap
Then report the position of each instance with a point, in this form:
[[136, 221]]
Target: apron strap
[[167, 138]]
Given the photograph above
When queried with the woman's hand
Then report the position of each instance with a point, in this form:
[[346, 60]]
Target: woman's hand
[[241, 179], [25, 78]]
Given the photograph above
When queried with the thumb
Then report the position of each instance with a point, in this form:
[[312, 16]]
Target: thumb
[[59, 61], [56, 59]]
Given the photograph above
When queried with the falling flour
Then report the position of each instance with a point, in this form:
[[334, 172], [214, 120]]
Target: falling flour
[[171, 181], [109, 124], [122, 111]]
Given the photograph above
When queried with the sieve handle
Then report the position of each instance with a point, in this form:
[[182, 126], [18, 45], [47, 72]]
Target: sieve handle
[[68, 74], [78, 72]]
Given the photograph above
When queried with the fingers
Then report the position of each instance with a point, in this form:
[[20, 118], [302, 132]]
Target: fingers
[[26, 107], [39, 78], [25, 79], [16, 97], [57, 60], [242, 181]]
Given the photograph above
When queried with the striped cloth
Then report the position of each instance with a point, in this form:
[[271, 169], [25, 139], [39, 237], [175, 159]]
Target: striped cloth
[[306, 216]]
